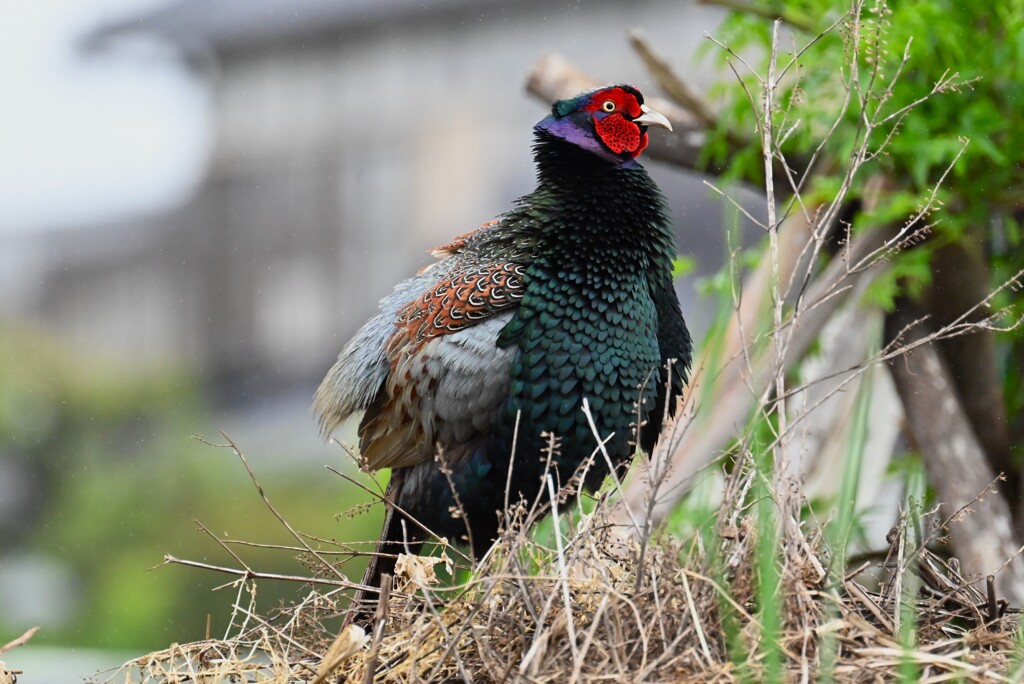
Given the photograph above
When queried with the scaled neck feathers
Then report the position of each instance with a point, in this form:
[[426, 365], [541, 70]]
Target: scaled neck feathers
[[559, 160], [592, 195]]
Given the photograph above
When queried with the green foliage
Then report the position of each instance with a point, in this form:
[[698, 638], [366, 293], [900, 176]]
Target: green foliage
[[910, 273], [949, 76], [974, 48], [683, 265], [979, 42]]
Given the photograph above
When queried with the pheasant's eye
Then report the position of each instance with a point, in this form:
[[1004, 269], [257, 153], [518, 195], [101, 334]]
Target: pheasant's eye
[[608, 105]]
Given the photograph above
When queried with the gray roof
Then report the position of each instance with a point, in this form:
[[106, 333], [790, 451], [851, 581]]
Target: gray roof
[[229, 25]]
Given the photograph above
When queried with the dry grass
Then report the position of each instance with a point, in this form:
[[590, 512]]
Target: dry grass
[[583, 608]]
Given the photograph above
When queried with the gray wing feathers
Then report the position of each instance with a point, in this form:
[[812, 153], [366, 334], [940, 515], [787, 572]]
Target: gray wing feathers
[[361, 369], [460, 381], [473, 380]]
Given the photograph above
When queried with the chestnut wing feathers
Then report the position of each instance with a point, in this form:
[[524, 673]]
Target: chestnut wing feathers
[[426, 369]]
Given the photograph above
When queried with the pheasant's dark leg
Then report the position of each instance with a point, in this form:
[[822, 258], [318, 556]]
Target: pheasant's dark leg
[[395, 538]]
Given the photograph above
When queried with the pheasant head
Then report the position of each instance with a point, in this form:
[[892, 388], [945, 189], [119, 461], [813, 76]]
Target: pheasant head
[[610, 122]]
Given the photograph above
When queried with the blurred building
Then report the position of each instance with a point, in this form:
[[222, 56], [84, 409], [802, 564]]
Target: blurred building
[[347, 137]]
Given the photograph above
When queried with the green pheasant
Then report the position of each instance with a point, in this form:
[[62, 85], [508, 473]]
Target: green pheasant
[[566, 297]]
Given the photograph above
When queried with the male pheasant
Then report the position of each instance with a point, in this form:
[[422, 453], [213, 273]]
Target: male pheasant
[[568, 296]]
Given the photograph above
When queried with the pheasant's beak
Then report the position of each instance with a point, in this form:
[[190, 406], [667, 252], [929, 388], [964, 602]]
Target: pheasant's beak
[[652, 118]]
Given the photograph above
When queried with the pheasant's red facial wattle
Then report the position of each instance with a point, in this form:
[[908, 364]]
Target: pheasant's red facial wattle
[[613, 110], [620, 135]]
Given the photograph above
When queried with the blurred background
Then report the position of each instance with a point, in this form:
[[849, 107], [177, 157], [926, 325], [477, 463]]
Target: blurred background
[[201, 202]]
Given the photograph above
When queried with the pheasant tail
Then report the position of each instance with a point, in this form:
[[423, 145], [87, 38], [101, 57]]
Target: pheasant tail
[[397, 536]]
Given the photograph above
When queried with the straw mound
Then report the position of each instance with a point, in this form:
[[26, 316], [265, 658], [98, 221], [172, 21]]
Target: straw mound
[[610, 609]]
